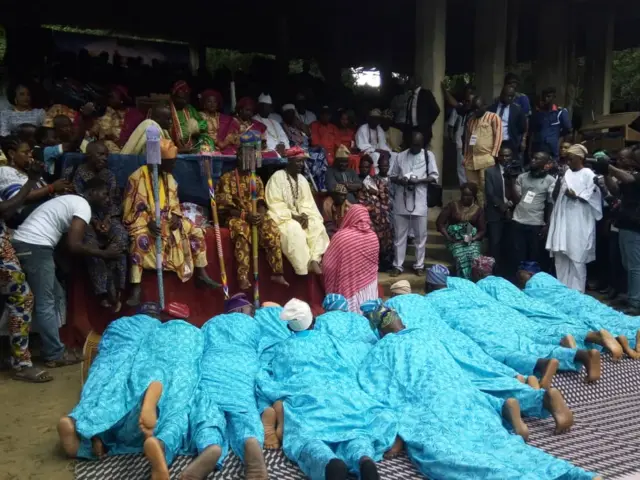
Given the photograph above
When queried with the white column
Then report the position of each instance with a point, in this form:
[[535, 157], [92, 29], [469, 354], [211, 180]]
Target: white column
[[599, 60], [490, 47], [430, 62], [551, 63]]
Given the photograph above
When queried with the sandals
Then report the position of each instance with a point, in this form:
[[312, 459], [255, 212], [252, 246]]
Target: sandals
[[32, 375], [419, 272], [68, 358]]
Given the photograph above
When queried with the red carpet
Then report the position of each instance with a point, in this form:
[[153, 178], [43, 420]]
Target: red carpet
[[84, 313]]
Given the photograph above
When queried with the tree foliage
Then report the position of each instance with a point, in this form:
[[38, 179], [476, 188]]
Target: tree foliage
[[625, 81]]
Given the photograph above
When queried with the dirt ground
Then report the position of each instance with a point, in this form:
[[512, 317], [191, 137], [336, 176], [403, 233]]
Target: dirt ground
[[29, 448]]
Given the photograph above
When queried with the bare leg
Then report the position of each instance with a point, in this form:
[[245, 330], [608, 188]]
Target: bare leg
[[271, 441], [591, 361], [520, 378], [279, 279], [68, 436], [533, 382], [368, 469], [555, 403], [154, 451], [98, 447], [548, 370], [134, 299], [203, 278], [203, 465], [626, 348], [638, 341], [244, 284], [254, 466], [605, 339], [511, 412], [279, 408], [149, 411], [314, 267], [568, 342], [395, 450]]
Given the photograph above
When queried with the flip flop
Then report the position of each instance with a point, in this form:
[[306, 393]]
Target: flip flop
[[68, 358], [32, 375]]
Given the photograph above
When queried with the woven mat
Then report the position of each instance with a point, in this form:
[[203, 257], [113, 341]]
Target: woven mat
[[604, 439]]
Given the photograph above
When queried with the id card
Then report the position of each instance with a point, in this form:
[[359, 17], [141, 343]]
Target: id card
[[528, 198], [473, 140]]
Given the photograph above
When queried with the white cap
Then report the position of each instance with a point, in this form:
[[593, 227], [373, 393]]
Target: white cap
[[288, 106], [298, 314], [264, 98]]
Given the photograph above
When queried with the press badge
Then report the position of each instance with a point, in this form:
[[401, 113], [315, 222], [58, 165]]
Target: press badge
[[528, 198], [473, 140]]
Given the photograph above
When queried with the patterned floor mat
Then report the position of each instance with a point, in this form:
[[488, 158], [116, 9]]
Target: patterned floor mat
[[604, 438]]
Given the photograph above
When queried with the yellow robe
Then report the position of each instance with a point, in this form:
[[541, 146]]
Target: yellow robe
[[298, 245], [182, 249], [137, 143]]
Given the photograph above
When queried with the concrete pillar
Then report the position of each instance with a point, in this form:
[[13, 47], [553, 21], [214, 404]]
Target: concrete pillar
[[490, 47], [553, 46], [430, 62], [598, 60]]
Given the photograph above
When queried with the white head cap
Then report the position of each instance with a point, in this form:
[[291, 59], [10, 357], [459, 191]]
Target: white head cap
[[298, 314], [288, 106], [264, 98]]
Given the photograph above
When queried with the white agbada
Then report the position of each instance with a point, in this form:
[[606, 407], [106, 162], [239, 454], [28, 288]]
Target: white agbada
[[368, 140], [572, 229], [275, 133]]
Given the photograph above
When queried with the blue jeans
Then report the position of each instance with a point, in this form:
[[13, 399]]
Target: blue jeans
[[40, 269], [630, 252]]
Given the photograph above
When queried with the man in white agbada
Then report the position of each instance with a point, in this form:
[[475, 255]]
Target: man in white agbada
[[411, 172], [291, 206], [276, 137], [371, 139], [297, 314], [572, 229]]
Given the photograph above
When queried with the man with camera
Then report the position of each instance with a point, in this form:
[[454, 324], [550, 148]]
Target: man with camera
[[623, 181]]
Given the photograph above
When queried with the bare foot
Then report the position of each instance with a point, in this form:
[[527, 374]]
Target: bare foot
[[395, 450], [154, 451], [555, 403], [134, 299], [149, 411], [569, 342], [548, 372], [244, 284], [314, 267], [279, 408], [271, 440], [98, 447], [254, 466], [626, 348], [105, 303], [533, 382], [593, 366], [279, 279], [204, 279], [638, 341], [203, 465], [68, 436], [520, 378], [611, 344], [511, 412]]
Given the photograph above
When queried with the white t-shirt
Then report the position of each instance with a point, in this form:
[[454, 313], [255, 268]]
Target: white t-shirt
[[47, 223]]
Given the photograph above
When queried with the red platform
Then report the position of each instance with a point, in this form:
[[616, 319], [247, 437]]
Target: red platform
[[84, 313]]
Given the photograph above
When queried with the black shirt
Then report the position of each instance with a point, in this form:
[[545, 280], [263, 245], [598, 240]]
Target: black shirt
[[629, 214]]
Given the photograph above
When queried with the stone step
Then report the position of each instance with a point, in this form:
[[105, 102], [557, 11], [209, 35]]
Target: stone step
[[435, 251], [416, 282]]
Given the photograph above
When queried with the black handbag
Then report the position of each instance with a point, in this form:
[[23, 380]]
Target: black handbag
[[434, 192]]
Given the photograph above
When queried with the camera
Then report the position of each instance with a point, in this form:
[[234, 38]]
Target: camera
[[411, 186]]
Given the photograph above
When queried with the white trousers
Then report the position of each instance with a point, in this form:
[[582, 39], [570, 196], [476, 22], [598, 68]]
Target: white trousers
[[572, 274], [402, 224], [462, 172]]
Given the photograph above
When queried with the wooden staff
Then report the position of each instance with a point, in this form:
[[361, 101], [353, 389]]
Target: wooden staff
[[254, 236], [216, 226], [154, 159]]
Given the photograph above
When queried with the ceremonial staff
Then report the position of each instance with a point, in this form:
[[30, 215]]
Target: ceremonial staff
[[256, 162], [154, 159], [216, 224]]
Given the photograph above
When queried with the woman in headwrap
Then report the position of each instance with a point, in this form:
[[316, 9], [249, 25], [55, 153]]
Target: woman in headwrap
[[241, 123], [482, 267], [119, 120], [402, 287], [572, 228], [334, 302], [350, 263], [218, 124], [462, 223], [188, 130], [436, 278]]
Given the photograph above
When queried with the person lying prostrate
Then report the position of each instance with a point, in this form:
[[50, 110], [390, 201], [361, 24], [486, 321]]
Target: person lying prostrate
[[514, 341], [485, 373], [450, 429], [34, 242], [314, 374], [594, 313], [224, 412], [569, 331]]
